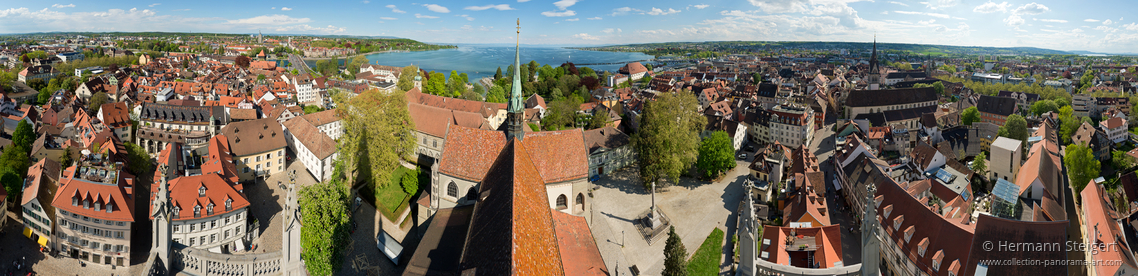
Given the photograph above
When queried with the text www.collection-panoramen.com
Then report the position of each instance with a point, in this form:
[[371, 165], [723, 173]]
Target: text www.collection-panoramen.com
[[1035, 262]]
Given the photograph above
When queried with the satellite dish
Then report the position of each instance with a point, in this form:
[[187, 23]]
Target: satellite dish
[[86, 152]]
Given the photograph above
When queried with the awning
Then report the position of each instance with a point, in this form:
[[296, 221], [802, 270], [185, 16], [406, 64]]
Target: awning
[[27, 232], [837, 185], [43, 241]]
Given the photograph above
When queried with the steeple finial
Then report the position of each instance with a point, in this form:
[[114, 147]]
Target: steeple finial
[[515, 107]]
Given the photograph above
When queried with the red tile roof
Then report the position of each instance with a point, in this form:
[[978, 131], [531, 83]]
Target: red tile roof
[[828, 241], [119, 196], [951, 236], [256, 136], [470, 151], [115, 115], [579, 252], [308, 135], [558, 155], [220, 159], [511, 230], [184, 194], [1113, 123], [1102, 229], [42, 178]]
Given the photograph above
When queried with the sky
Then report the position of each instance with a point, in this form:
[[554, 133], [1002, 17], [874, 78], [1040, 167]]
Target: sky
[[1097, 26]]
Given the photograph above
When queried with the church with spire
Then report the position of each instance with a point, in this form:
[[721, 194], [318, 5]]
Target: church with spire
[[874, 76], [511, 201]]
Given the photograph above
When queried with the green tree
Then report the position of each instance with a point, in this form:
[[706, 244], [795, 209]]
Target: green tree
[[556, 94], [561, 114], [716, 154], [1068, 124], [16, 158], [13, 183], [496, 95], [498, 75], [939, 87], [65, 159], [97, 102], [675, 255], [436, 85], [23, 136], [1081, 166], [137, 158], [455, 85], [1044, 106], [355, 63], [970, 115], [407, 78], [377, 132], [1121, 161], [668, 140], [980, 163], [410, 182], [324, 235], [756, 77], [1015, 127], [597, 121], [260, 77]]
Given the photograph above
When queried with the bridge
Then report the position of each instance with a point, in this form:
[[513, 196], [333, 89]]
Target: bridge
[[295, 62]]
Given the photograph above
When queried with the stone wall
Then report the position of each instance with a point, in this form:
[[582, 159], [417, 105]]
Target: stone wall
[[763, 267], [194, 261]]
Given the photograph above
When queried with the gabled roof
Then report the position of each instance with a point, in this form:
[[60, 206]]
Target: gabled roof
[[119, 194], [951, 236], [559, 155], [579, 252], [867, 98], [41, 181], [1101, 228], [254, 136], [184, 194], [605, 138], [511, 230], [311, 138], [996, 105], [994, 230]]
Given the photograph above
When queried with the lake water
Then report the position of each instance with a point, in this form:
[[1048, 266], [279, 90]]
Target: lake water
[[479, 61]]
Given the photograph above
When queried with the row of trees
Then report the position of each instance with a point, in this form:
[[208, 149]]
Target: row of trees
[[14, 161]]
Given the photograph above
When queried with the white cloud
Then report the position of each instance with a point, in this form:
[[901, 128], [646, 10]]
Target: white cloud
[[395, 10], [1031, 9], [523, 1], [573, 19], [436, 8], [1107, 22], [781, 6], [425, 16], [286, 9], [1014, 20], [594, 18], [585, 36], [701, 6], [1054, 20], [155, 4], [501, 7], [1131, 26], [1090, 20], [274, 8], [656, 11], [611, 31], [389, 18], [930, 21], [559, 14], [898, 3], [308, 29], [365, 2], [940, 15], [63, 6], [276, 19], [181, 10], [468, 18], [624, 10], [991, 7], [935, 4], [565, 4]]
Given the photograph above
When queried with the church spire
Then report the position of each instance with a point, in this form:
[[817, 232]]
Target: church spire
[[515, 107]]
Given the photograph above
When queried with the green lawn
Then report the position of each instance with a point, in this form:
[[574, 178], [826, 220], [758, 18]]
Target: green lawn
[[706, 259], [391, 199]]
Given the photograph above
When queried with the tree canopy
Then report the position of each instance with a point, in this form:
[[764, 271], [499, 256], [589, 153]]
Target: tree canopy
[[137, 158], [1081, 166], [716, 154], [1044, 106], [1015, 127], [667, 142], [970, 115], [324, 234], [97, 102], [407, 78], [23, 136], [377, 132], [675, 255]]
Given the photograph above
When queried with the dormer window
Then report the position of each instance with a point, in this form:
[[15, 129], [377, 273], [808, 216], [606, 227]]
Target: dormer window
[[228, 204], [110, 207], [197, 211], [98, 206], [897, 222], [86, 204], [209, 209], [74, 201], [176, 211], [201, 191]]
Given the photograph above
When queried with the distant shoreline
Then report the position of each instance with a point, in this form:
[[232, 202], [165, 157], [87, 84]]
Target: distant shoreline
[[369, 53]]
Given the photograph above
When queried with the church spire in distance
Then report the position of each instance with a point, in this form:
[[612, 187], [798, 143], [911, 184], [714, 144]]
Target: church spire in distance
[[515, 108]]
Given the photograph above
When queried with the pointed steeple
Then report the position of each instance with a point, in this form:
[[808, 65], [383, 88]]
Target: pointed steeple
[[870, 243], [873, 56], [515, 107]]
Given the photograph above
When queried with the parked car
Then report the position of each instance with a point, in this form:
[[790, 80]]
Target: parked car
[[743, 156]]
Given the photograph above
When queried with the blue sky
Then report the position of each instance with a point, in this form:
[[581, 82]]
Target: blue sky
[[1100, 26]]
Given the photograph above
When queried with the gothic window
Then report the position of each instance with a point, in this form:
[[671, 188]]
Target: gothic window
[[452, 189], [562, 202], [472, 194]]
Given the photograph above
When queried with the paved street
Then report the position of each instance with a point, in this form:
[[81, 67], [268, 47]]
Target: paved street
[[823, 147], [16, 246], [362, 257], [694, 207], [266, 201]]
